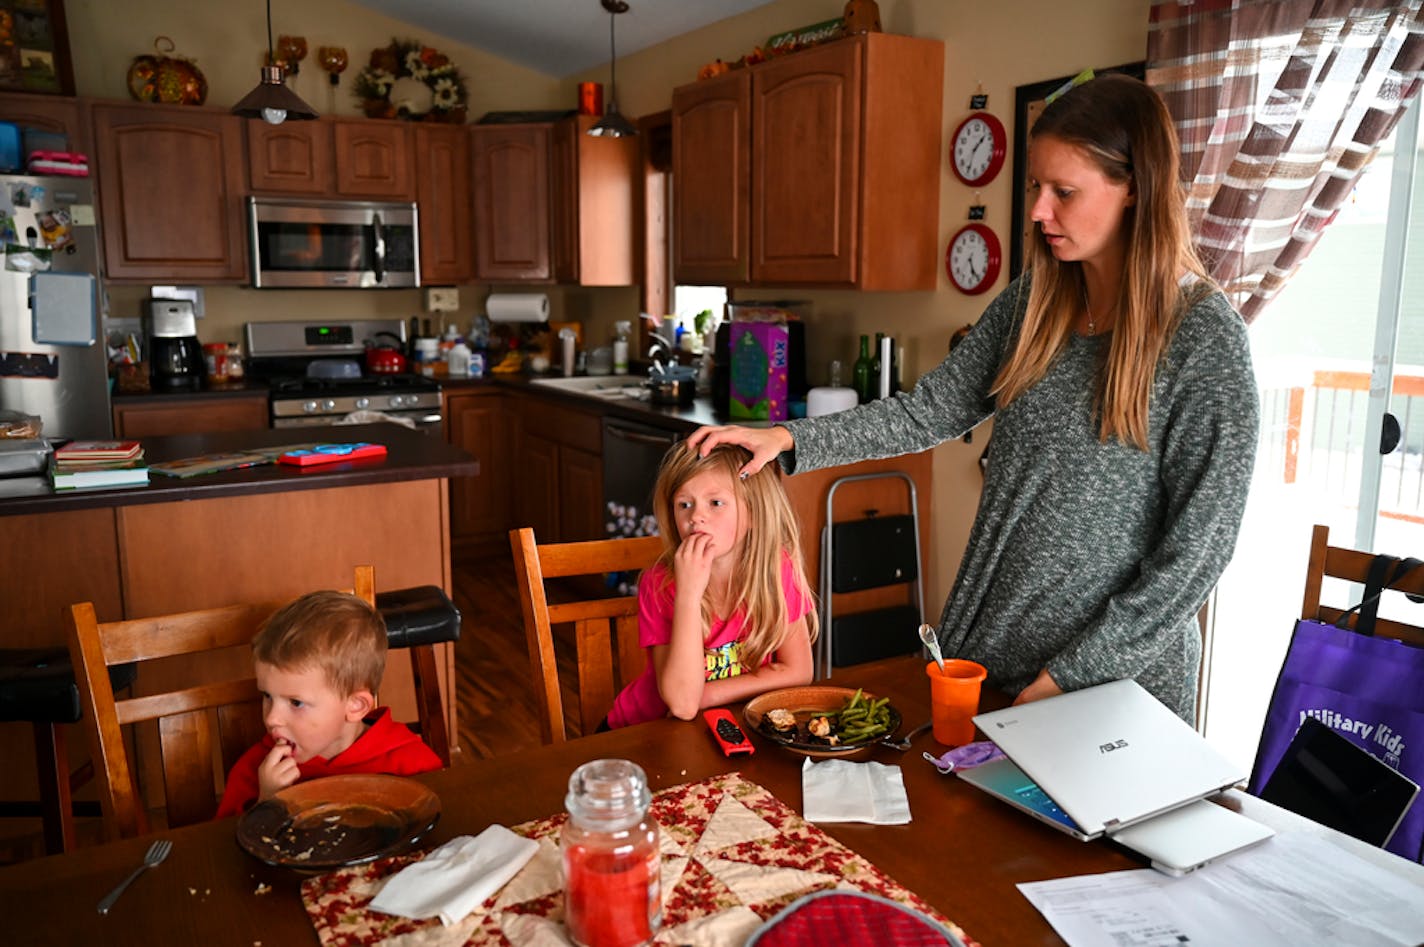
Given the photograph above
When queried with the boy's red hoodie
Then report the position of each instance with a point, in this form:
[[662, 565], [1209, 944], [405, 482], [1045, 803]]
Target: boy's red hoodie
[[385, 747]]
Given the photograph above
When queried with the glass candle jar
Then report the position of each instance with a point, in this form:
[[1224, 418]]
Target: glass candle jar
[[612, 881]]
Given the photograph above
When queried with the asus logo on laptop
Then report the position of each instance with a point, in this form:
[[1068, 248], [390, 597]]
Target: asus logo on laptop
[[1109, 747]]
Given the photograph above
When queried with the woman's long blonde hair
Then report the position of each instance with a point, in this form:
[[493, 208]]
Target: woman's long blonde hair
[[1124, 127], [772, 530]]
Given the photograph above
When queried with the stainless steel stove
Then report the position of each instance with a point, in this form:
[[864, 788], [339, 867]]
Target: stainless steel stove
[[317, 373]]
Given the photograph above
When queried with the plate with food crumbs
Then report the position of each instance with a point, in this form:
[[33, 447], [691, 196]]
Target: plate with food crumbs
[[822, 721], [338, 820]]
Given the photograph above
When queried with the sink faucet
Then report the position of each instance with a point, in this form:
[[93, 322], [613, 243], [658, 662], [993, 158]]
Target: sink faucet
[[658, 354]]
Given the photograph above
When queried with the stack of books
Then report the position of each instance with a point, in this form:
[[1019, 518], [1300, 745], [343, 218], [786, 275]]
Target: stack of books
[[85, 464]]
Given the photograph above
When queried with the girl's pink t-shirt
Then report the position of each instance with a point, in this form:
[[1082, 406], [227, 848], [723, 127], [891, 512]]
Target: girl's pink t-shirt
[[641, 701]]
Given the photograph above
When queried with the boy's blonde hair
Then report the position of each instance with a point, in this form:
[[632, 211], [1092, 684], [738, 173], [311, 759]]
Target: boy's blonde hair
[[772, 530], [338, 633]]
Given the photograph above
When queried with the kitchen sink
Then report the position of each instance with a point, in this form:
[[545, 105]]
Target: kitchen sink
[[598, 386]]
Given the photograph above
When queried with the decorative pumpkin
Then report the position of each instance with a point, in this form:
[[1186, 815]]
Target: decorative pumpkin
[[713, 69], [173, 80]]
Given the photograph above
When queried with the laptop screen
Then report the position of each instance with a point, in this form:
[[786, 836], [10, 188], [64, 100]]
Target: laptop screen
[[1328, 779]]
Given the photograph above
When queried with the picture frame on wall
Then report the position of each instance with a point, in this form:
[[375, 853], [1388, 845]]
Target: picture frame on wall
[[34, 48], [1028, 105]]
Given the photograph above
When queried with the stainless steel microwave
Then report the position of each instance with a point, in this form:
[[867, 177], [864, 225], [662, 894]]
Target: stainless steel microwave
[[335, 244]]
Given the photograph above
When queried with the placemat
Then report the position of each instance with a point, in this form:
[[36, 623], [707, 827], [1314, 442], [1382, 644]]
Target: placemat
[[733, 855]]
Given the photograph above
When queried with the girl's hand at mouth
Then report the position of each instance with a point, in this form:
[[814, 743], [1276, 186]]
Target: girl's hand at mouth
[[692, 564]]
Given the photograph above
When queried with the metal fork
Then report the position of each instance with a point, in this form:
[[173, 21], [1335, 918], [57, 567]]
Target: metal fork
[[903, 743], [156, 853]]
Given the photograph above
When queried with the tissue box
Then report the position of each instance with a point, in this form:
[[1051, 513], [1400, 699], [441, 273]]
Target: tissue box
[[758, 377]]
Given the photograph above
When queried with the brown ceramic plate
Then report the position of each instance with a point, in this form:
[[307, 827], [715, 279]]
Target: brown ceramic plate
[[807, 702], [338, 820]]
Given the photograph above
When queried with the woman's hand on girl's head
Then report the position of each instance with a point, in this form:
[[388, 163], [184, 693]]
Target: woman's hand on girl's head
[[764, 443]]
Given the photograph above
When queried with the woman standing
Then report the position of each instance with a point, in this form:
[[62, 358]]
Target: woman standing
[[1125, 419]]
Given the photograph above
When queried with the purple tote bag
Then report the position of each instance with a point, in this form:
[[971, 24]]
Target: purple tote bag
[[1370, 690]]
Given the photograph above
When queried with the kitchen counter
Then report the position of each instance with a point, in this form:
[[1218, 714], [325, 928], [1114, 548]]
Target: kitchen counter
[[232, 389], [251, 535], [682, 420], [411, 456]]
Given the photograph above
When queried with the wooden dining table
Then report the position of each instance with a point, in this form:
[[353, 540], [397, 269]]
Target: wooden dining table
[[963, 852]]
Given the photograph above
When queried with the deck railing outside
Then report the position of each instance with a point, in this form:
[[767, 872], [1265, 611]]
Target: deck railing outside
[[1313, 431]]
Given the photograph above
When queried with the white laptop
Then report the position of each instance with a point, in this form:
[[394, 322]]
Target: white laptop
[[1101, 760]]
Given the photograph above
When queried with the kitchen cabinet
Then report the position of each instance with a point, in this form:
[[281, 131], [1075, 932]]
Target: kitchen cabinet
[[818, 168], [133, 418], [442, 175], [560, 462], [170, 193], [365, 159], [47, 113], [478, 420], [553, 205]]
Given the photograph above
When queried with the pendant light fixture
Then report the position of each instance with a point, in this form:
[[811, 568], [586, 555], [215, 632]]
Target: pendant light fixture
[[272, 101], [613, 124]]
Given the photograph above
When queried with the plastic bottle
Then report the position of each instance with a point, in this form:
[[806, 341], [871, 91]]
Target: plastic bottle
[[458, 359], [620, 347], [612, 885], [862, 377], [876, 372]]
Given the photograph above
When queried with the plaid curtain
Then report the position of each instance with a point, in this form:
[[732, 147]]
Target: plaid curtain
[[1279, 104]]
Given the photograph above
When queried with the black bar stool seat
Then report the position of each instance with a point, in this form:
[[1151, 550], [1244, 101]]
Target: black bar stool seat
[[37, 687]]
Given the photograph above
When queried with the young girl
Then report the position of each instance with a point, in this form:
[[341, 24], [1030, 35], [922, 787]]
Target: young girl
[[725, 612]]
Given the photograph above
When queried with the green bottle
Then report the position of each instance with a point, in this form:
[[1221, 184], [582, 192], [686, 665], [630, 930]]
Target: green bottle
[[864, 379]]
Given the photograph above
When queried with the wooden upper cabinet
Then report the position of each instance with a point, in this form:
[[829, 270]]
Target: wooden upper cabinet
[[553, 204], [373, 159], [711, 170], [337, 158], [821, 167], [290, 158], [47, 113], [806, 178], [442, 165], [170, 182], [510, 167]]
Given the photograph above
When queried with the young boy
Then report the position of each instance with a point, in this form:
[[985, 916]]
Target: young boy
[[319, 662]]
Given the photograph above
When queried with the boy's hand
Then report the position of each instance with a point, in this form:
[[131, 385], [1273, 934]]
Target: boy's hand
[[278, 771]]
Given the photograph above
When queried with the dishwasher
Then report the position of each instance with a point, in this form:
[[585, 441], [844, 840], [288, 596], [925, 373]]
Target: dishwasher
[[632, 453]]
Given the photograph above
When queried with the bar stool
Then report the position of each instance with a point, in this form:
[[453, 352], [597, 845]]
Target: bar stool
[[417, 619], [37, 686]]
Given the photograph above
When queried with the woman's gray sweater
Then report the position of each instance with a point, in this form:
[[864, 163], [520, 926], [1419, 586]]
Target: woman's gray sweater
[[1088, 558]]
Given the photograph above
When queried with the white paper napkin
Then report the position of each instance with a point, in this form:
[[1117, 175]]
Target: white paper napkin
[[457, 877], [842, 791]]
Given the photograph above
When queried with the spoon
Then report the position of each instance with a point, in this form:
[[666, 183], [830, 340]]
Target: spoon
[[927, 635]]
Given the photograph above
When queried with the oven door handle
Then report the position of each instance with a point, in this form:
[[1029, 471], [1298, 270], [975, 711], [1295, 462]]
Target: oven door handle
[[638, 437], [379, 247]]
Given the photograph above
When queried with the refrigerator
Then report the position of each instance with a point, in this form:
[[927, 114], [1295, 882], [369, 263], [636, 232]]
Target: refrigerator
[[53, 357]]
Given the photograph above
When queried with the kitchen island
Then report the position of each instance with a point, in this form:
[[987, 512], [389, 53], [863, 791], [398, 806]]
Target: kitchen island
[[256, 534]]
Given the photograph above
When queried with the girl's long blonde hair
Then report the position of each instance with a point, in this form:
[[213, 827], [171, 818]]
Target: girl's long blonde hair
[[1125, 128], [772, 530]]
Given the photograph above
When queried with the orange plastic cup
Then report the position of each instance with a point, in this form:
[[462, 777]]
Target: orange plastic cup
[[954, 699]]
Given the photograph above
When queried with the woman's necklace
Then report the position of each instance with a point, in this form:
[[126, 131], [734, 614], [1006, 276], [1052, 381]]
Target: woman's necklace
[[1088, 311]]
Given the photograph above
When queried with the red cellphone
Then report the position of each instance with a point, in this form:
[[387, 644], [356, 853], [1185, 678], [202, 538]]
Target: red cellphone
[[724, 728]]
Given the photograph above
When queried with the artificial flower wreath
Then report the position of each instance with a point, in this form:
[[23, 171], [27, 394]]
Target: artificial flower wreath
[[411, 81]]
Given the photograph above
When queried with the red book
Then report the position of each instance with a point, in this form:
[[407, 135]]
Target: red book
[[89, 451]]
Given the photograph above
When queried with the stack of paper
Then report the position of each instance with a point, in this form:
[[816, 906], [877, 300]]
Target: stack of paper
[[86, 464]]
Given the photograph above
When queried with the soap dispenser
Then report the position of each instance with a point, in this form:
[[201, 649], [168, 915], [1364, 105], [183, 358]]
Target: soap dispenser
[[622, 329]]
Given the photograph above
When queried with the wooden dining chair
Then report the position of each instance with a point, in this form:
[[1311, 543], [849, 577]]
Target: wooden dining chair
[[1352, 565], [203, 728], [605, 629]]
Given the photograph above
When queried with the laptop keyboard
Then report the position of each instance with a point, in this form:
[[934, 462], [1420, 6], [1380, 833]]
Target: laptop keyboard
[[1035, 798]]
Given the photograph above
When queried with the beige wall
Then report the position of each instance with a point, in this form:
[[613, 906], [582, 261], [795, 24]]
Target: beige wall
[[994, 45], [998, 46]]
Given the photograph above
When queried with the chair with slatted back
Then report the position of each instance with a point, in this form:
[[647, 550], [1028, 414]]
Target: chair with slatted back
[[202, 729], [1353, 566], [605, 629]]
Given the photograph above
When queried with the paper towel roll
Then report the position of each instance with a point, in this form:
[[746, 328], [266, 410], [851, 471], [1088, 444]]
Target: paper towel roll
[[820, 401], [518, 307]]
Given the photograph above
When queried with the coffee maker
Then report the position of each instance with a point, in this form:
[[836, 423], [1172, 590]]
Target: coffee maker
[[175, 358]]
